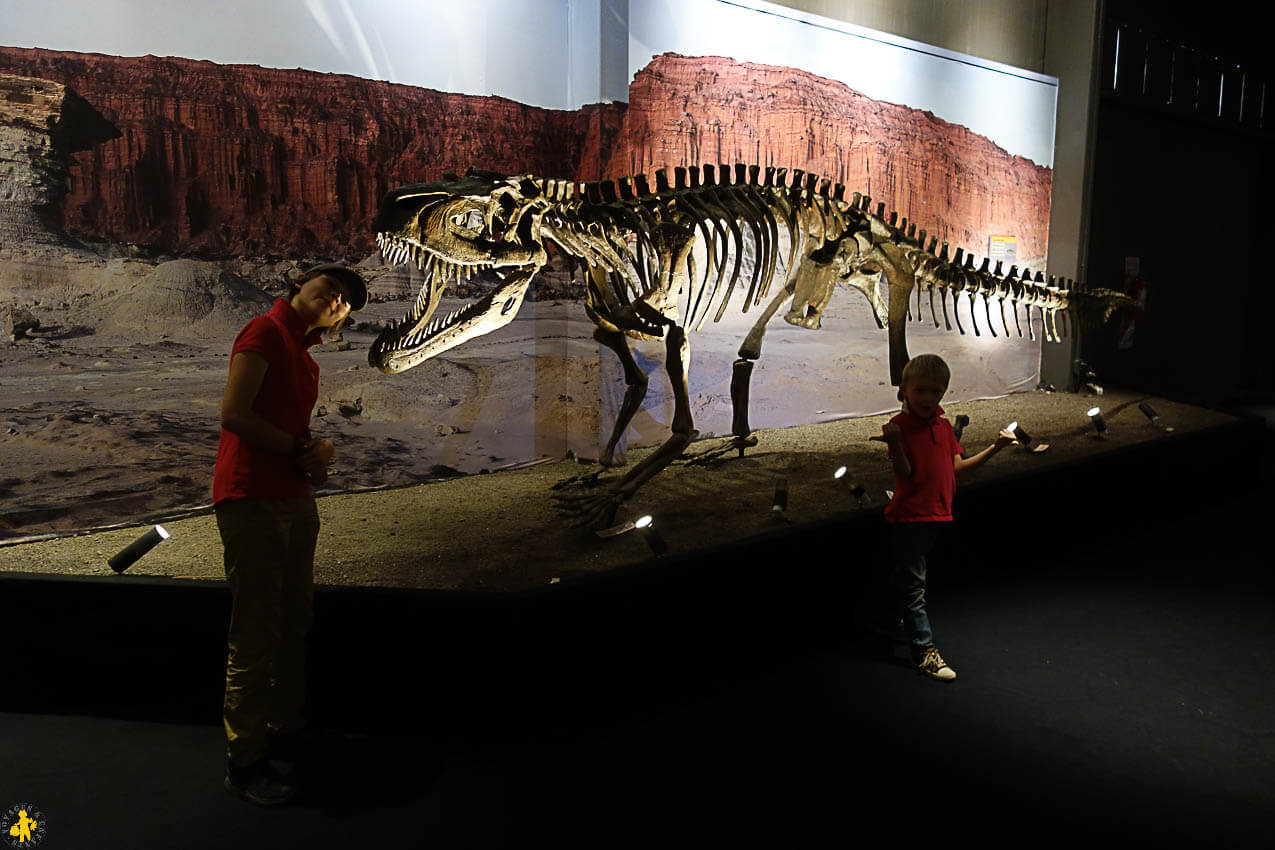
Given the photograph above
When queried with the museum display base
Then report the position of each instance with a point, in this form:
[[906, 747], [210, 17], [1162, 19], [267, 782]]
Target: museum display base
[[1106, 616], [148, 646]]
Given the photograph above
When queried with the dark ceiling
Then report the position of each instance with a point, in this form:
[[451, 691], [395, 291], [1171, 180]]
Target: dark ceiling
[[1239, 37]]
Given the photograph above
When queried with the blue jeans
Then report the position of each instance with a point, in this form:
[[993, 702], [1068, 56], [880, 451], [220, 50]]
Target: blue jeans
[[910, 542]]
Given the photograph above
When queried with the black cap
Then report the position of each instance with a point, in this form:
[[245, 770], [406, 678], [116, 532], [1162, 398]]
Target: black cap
[[351, 278]]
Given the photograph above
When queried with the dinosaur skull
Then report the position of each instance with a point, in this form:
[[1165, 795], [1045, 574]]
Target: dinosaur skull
[[840, 260], [452, 230]]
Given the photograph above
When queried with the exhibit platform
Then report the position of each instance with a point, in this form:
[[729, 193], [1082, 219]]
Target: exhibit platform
[[1107, 616], [791, 576]]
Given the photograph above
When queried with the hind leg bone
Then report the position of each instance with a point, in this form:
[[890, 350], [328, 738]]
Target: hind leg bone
[[635, 391]]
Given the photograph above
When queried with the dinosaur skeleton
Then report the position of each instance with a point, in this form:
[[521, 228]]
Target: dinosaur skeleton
[[636, 244]]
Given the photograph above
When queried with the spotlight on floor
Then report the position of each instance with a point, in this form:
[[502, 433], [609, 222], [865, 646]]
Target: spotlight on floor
[[1149, 412], [856, 489], [961, 421], [1024, 439], [780, 502], [127, 556], [1099, 424], [653, 538]]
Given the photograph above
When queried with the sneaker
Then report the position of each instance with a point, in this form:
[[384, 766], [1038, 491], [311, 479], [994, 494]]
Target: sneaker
[[928, 661], [260, 784]]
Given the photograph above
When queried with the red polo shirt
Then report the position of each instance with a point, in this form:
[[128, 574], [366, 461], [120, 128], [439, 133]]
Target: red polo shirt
[[286, 398], [932, 447]]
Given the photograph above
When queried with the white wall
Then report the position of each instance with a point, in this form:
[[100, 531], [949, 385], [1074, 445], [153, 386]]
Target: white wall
[[1008, 31]]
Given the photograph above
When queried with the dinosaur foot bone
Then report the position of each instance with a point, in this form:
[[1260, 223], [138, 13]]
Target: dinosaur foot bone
[[590, 480], [733, 444], [594, 507], [613, 458]]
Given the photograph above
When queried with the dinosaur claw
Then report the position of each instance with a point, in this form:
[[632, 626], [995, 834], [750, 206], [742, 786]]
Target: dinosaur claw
[[585, 503]]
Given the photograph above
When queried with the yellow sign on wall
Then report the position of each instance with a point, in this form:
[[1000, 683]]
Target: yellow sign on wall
[[1003, 248]]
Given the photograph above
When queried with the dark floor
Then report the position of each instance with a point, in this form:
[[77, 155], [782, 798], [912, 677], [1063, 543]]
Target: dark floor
[[1116, 674]]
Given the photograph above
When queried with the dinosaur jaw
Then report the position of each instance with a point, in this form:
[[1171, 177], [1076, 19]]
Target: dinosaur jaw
[[810, 319], [400, 348], [419, 336]]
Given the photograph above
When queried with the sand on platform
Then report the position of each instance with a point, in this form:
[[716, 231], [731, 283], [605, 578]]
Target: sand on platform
[[499, 532]]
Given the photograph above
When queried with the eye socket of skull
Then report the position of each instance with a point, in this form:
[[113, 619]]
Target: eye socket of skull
[[503, 204], [467, 222]]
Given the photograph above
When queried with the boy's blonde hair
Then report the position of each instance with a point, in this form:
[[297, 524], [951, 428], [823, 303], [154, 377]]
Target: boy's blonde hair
[[928, 367]]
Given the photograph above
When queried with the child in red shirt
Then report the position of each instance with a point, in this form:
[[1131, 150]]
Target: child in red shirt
[[926, 457]]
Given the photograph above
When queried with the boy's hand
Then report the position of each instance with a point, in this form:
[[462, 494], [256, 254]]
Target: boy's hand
[[1004, 439], [891, 433]]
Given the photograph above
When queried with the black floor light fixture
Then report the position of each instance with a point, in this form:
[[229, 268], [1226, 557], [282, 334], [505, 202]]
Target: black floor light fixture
[[127, 556], [780, 502], [856, 489], [1150, 413], [1099, 424], [1024, 439], [653, 538]]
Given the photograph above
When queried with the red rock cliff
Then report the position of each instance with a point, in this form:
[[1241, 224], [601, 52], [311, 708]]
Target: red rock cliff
[[955, 183], [239, 159]]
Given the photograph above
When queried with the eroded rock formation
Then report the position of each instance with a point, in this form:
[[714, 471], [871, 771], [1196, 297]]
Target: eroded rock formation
[[959, 185], [184, 298], [41, 124], [227, 160], [240, 159]]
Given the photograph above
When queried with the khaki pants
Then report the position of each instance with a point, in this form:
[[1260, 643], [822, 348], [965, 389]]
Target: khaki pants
[[269, 553]]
